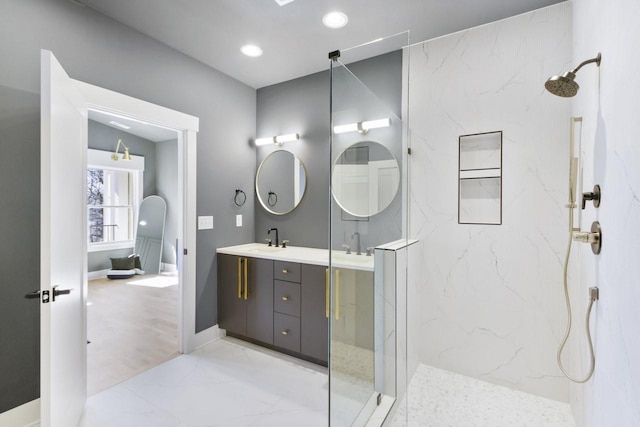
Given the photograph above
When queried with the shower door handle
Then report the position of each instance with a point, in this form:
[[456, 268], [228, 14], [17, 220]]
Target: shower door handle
[[337, 294], [326, 293]]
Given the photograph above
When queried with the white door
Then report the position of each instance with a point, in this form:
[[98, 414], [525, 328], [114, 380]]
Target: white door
[[62, 247]]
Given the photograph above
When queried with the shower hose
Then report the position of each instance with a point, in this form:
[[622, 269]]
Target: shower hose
[[588, 316]]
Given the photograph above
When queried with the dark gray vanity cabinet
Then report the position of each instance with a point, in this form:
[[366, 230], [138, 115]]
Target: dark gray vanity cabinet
[[314, 317], [281, 304], [245, 297]]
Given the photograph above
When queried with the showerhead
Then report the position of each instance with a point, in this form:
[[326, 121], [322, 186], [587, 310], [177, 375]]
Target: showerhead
[[565, 85]]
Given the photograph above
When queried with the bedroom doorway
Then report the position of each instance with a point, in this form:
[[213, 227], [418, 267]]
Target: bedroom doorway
[[133, 286]]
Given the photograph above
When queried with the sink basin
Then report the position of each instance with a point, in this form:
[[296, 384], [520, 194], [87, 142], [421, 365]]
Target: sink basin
[[266, 250]]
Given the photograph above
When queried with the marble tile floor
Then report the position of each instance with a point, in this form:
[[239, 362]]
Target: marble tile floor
[[439, 398], [227, 383]]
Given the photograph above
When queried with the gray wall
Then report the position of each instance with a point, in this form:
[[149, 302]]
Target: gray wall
[[302, 105], [167, 188], [105, 138], [20, 251], [100, 51]]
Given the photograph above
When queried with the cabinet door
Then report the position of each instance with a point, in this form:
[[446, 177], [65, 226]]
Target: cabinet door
[[314, 323], [260, 300], [232, 309]]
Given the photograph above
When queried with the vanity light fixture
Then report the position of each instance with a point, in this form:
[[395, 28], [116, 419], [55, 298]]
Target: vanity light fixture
[[125, 155], [278, 140], [363, 127]]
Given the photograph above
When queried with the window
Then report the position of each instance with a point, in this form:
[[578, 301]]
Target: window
[[110, 204], [113, 197]]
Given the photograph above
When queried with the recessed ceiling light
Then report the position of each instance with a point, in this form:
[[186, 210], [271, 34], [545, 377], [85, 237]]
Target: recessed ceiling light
[[335, 19], [283, 2], [251, 50]]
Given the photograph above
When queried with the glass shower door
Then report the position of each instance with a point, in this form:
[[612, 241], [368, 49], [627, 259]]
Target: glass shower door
[[368, 220]]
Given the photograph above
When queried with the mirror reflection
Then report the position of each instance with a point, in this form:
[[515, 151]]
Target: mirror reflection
[[281, 182], [150, 233], [366, 178]]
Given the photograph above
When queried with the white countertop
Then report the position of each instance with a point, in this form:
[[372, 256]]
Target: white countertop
[[301, 255]]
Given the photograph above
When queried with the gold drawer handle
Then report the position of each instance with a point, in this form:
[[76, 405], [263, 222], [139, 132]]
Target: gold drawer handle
[[285, 298], [285, 271], [285, 332], [240, 278]]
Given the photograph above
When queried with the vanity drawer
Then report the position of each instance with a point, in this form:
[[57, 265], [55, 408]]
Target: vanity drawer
[[286, 331], [288, 271], [286, 298]]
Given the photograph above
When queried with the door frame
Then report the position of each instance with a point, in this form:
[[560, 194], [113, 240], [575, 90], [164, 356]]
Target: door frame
[[187, 126]]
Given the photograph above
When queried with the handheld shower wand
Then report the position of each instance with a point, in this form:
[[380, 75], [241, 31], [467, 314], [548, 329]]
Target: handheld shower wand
[[593, 292]]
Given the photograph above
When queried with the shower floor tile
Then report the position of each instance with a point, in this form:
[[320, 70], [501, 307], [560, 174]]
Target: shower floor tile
[[438, 398]]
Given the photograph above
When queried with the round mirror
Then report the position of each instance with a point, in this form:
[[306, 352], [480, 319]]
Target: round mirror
[[365, 178], [280, 182]]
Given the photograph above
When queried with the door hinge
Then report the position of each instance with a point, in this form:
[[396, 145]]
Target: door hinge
[[409, 150], [45, 297], [184, 251]]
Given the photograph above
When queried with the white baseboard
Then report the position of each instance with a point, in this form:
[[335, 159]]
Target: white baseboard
[[209, 335], [27, 415], [169, 268], [99, 274]]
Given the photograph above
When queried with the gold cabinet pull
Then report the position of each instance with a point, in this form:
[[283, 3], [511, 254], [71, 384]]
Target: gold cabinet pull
[[285, 271], [326, 293], [337, 294], [285, 332], [285, 298], [246, 279], [239, 277]]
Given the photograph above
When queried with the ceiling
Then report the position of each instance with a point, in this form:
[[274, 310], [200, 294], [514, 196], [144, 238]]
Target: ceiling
[[293, 38]]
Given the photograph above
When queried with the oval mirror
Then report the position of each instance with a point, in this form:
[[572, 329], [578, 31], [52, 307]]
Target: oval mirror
[[281, 182], [365, 178]]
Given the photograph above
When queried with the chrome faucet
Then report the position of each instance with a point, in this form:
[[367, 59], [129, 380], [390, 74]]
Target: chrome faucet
[[276, 230], [356, 234]]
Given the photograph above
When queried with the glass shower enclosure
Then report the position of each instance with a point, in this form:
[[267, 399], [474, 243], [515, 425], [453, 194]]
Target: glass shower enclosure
[[368, 233]]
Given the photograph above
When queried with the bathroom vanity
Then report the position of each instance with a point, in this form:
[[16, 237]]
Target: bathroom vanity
[[279, 297]]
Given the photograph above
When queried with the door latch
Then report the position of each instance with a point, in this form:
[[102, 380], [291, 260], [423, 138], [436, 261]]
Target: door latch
[[45, 297]]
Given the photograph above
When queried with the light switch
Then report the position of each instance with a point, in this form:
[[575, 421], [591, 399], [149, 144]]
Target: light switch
[[238, 220], [205, 223]]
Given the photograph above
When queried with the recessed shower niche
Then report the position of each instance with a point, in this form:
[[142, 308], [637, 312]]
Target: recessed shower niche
[[480, 178]]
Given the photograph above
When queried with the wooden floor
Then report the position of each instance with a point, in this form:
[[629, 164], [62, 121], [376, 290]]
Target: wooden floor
[[132, 326]]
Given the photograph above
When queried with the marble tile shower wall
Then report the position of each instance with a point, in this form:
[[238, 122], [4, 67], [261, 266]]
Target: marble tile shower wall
[[490, 296], [609, 102]]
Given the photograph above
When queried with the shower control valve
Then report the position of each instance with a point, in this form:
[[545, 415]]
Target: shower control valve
[[594, 196], [586, 237], [593, 237]]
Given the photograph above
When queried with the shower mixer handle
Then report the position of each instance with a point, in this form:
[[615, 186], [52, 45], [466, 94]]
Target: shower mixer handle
[[593, 237], [594, 196], [586, 237]]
